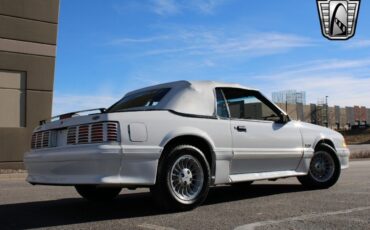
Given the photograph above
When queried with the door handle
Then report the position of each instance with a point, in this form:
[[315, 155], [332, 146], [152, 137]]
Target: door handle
[[241, 128]]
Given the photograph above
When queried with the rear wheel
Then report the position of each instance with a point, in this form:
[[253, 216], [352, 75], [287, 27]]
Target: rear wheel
[[93, 193], [183, 179], [324, 169]]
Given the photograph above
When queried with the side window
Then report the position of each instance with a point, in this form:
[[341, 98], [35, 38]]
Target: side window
[[221, 104], [244, 104]]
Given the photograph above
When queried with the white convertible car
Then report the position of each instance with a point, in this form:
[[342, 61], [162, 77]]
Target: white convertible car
[[179, 139]]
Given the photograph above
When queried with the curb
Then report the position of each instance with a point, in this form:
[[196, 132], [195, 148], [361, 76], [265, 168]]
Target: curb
[[359, 159], [13, 176]]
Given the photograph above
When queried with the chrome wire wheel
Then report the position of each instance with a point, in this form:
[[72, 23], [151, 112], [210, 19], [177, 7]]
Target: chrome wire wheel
[[186, 178], [322, 167]]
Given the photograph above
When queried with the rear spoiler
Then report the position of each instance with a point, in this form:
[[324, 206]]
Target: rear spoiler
[[68, 115]]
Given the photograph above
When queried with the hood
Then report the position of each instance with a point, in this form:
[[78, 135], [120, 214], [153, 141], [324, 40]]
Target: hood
[[317, 127]]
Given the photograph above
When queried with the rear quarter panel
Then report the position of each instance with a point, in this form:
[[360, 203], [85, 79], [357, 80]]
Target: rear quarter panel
[[163, 126]]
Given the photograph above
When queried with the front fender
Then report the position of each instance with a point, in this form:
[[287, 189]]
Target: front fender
[[320, 138]]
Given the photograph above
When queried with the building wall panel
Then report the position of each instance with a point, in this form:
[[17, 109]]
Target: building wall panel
[[27, 30], [12, 104], [42, 10], [40, 69], [14, 142]]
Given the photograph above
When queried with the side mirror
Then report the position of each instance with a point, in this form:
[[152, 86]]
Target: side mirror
[[284, 118]]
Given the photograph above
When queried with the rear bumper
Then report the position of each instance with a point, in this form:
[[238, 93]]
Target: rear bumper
[[92, 164], [343, 155]]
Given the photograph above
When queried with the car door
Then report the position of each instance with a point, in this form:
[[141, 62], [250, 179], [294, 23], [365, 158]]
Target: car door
[[261, 141]]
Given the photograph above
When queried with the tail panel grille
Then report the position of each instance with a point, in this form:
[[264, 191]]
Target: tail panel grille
[[112, 134], [97, 133], [33, 141], [45, 139], [71, 135], [38, 140], [83, 134]]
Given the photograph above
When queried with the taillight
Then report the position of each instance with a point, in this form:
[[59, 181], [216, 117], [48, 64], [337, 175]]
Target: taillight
[[33, 141], [83, 134], [112, 131], [40, 140], [45, 139], [93, 133], [71, 135], [97, 134]]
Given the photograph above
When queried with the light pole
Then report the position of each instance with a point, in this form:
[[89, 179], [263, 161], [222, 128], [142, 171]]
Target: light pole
[[296, 104], [327, 111]]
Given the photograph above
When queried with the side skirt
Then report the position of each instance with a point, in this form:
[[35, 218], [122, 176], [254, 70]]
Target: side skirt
[[264, 175]]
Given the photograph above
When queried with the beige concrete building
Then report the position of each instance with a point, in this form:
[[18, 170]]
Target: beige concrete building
[[28, 34], [334, 117]]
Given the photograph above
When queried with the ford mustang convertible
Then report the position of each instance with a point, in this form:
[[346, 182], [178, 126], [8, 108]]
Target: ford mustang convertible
[[180, 138]]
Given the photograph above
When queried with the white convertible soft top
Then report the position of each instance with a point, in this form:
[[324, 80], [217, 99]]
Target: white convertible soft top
[[190, 97]]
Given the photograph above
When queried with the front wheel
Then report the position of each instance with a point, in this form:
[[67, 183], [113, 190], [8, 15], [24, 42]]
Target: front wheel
[[183, 179], [324, 169], [93, 193]]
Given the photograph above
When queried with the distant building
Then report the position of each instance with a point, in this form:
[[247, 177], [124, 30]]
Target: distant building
[[289, 97], [334, 117]]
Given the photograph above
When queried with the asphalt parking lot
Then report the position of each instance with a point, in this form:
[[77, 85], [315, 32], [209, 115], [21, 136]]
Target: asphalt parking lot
[[283, 204]]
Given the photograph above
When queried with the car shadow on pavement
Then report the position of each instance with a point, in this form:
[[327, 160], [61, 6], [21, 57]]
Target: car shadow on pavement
[[222, 194], [76, 210]]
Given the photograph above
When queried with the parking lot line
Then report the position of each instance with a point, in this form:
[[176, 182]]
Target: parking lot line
[[154, 227], [254, 225]]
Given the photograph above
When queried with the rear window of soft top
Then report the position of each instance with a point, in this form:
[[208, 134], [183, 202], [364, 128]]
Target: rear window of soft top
[[140, 100]]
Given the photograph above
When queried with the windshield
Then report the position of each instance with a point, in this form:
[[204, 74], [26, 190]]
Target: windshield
[[141, 100]]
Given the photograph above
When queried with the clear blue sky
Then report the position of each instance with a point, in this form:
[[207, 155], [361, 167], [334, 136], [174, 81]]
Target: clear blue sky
[[107, 48]]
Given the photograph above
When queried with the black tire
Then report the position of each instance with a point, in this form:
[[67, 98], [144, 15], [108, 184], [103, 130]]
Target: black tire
[[97, 194], [313, 181], [164, 191]]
